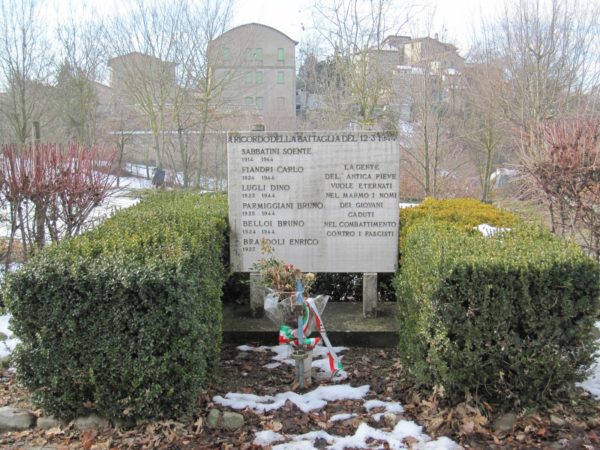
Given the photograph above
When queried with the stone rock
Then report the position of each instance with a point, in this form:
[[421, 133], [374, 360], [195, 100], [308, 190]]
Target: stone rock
[[212, 420], [232, 421], [47, 422], [93, 421], [15, 419], [227, 420], [505, 423]]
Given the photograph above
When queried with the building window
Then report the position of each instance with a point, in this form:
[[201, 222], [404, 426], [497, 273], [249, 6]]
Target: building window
[[248, 77], [258, 55], [260, 77], [280, 78], [280, 103], [260, 104], [248, 101], [226, 54], [280, 56], [249, 54]]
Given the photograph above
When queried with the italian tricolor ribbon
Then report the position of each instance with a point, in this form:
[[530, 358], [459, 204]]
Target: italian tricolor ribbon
[[335, 364], [287, 335]]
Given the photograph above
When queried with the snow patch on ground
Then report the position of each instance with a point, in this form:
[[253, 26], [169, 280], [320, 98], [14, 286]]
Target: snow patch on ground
[[272, 365], [408, 205], [340, 417], [310, 401], [392, 407], [365, 435], [317, 399], [11, 268], [8, 345], [489, 231], [267, 437], [362, 438], [592, 384], [283, 355], [119, 198]]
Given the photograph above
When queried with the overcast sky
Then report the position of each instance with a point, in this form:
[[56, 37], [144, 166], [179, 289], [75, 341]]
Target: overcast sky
[[454, 20]]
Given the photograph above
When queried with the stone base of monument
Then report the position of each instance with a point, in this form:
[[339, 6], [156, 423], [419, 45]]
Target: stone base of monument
[[370, 301], [346, 325]]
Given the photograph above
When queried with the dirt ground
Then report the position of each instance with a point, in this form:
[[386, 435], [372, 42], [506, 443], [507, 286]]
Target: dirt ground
[[574, 425]]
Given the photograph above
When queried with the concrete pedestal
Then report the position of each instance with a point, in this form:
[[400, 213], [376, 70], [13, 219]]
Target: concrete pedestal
[[257, 296], [369, 294]]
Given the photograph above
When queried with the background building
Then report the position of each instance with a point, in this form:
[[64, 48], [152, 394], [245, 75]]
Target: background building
[[256, 65]]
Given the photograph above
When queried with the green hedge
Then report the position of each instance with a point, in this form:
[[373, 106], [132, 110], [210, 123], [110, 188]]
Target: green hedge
[[508, 319], [462, 213], [126, 319]]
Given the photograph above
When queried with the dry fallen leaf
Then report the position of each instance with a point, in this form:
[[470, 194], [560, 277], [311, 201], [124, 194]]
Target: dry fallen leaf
[[38, 442], [468, 428], [435, 424], [521, 437], [274, 426], [593, 436], [87, 440], [198, 425], [22, 434], [51, 432], [410, 441], [324, 425], [479, 419], [102, 445]]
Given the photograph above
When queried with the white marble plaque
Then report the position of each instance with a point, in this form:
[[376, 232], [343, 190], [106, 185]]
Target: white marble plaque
[[325, 201]]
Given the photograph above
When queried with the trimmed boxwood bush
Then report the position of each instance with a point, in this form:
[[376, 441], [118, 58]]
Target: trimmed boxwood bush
[[508, 319], [463, 213], [126, 319]]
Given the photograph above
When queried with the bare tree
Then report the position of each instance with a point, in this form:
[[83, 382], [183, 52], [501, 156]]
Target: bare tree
[[51, 189], [358, 73], [199, 96], [25, 65], [434, 153], [486, 132], [432, 85], [549, 61], [566, 173], [162, 70], [144, 45], [82, 59]]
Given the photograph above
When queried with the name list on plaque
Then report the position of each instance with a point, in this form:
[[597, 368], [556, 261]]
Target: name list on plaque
[[324, 201]]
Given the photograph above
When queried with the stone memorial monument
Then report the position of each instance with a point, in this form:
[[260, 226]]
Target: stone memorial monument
[[325, 201]]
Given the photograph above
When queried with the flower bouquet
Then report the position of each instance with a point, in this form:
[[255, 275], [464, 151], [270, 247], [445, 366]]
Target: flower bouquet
[[281, 280], [289, 306]]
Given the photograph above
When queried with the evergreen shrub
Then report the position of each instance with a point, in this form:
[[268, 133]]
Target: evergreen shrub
[[126, 319], [462, 213], [507, 318]]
